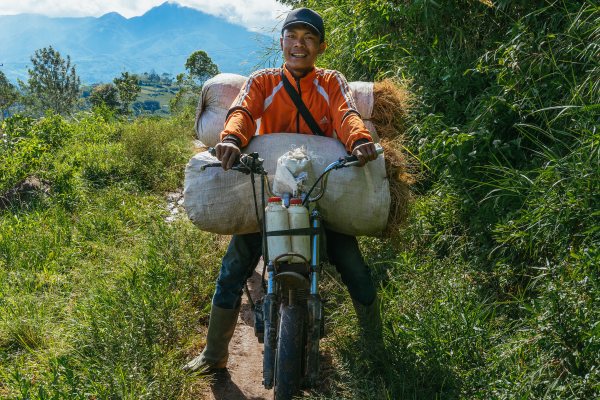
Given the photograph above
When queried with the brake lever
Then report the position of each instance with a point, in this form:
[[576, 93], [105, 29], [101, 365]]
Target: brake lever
[[213, 165], [246, 164]]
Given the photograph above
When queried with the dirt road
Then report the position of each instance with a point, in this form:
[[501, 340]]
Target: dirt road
[[243, 378]]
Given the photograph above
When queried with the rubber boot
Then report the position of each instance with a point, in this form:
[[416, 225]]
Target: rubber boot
[[221, 326], [369, 319]]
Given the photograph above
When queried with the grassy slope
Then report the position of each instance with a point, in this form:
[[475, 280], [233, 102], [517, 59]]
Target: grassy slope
[[492, 291], [99, 296]]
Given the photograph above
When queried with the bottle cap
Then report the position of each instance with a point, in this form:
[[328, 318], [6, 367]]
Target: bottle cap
[[296, 202], [274, 199]]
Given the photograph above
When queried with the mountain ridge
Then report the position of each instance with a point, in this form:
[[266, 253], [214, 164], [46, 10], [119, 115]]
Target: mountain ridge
[[102, 47]]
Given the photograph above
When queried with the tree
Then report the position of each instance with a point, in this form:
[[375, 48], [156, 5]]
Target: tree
[[200, 66], [128, 87], [8, 95], [105, 94], [53, 82]]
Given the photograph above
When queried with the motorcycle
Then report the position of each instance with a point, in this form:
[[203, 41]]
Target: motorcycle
[[289, 317]]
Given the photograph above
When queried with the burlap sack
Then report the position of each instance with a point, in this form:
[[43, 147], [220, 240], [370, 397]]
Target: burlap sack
[[221, 90], [362, 92], [215, 100], [356, 202]]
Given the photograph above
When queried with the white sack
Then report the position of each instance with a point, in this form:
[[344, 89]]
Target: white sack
[[293, 168], [362, 92], [219, 92], [215, 100], [357, 200], [363, 96]]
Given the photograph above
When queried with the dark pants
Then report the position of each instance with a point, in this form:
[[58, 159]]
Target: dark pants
[[244, 252]]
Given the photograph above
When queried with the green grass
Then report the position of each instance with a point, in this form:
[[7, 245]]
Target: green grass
[[491, 291], [99, 296]]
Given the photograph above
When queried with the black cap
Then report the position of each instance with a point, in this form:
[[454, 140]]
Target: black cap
[[308, 17]]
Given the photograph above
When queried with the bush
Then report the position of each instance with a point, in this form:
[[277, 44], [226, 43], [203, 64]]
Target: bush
[[27, 145], [506, 130], [158, 150]]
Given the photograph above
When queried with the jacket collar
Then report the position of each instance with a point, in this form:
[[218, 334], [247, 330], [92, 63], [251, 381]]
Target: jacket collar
[[306, 82]]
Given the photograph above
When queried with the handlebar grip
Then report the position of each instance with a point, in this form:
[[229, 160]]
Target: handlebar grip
[[352, 158], [351, 161]]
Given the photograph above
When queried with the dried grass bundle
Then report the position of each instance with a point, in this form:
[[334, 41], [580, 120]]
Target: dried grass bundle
[[390, 117], [391, 106]]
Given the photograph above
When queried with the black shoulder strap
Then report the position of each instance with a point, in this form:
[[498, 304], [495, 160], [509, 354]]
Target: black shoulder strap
[[310, 120]]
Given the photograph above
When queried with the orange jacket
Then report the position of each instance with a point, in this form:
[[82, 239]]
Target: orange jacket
[[325, 93]]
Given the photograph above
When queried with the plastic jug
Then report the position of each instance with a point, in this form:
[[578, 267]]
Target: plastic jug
[[298, 219], [276, 217]]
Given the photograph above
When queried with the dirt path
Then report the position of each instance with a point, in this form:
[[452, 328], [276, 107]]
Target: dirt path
[[243, 378]]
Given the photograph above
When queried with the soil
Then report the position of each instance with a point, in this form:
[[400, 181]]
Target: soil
[[242, 380]]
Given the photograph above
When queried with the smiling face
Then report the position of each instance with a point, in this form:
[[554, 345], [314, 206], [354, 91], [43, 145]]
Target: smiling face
[[301, 47]]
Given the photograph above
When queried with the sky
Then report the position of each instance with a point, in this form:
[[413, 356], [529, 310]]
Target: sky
[[256, 15]]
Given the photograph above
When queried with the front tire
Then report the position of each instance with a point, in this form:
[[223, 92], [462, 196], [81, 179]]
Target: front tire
[[289, 356]]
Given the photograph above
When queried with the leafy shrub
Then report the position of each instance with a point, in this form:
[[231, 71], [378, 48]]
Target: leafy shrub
[[506, 130], [158, 150], [26, 146]]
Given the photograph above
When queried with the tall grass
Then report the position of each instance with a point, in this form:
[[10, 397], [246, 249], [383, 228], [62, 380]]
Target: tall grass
[[493, 290], [99, 296]]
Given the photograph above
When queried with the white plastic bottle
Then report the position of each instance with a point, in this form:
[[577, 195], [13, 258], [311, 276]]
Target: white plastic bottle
[[298, 217], [276, 217]]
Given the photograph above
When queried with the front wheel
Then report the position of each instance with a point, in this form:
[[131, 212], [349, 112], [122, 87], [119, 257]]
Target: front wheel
[[289, 356]]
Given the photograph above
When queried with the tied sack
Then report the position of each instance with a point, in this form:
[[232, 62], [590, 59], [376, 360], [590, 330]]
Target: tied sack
[[356, 202], [362, 92], [215, 100]]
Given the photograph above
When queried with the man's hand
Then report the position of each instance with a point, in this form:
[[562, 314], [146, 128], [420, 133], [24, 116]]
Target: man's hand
[[228, 153], [365, 152]]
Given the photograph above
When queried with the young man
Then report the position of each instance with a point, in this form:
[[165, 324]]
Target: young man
[[327, 96]]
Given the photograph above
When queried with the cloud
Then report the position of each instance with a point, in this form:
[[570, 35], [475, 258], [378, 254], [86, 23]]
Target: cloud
[[261, 15], [256, 15]]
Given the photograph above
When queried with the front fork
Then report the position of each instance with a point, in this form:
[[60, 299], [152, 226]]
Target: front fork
[[270, 318], [315, 315], [315, 307]]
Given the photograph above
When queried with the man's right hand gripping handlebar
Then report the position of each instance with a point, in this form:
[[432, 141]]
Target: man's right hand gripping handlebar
[[228, 153], [365, 152]]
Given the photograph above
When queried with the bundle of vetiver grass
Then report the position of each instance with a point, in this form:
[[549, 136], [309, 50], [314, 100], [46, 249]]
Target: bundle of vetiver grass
[[383, 106]]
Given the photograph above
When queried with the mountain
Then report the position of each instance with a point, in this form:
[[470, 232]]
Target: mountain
[[103, 47]]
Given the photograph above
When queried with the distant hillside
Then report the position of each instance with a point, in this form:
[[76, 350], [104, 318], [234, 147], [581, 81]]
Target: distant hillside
[[103, 47]]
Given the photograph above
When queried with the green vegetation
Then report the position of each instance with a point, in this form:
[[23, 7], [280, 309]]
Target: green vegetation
[[200, 68], [116, 96], [53, 84], [491, 291], [8, 95], [98, 293]]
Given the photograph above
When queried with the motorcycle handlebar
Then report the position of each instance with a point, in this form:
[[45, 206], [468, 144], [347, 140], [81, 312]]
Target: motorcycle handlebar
[[251, 163], [247, 163]]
